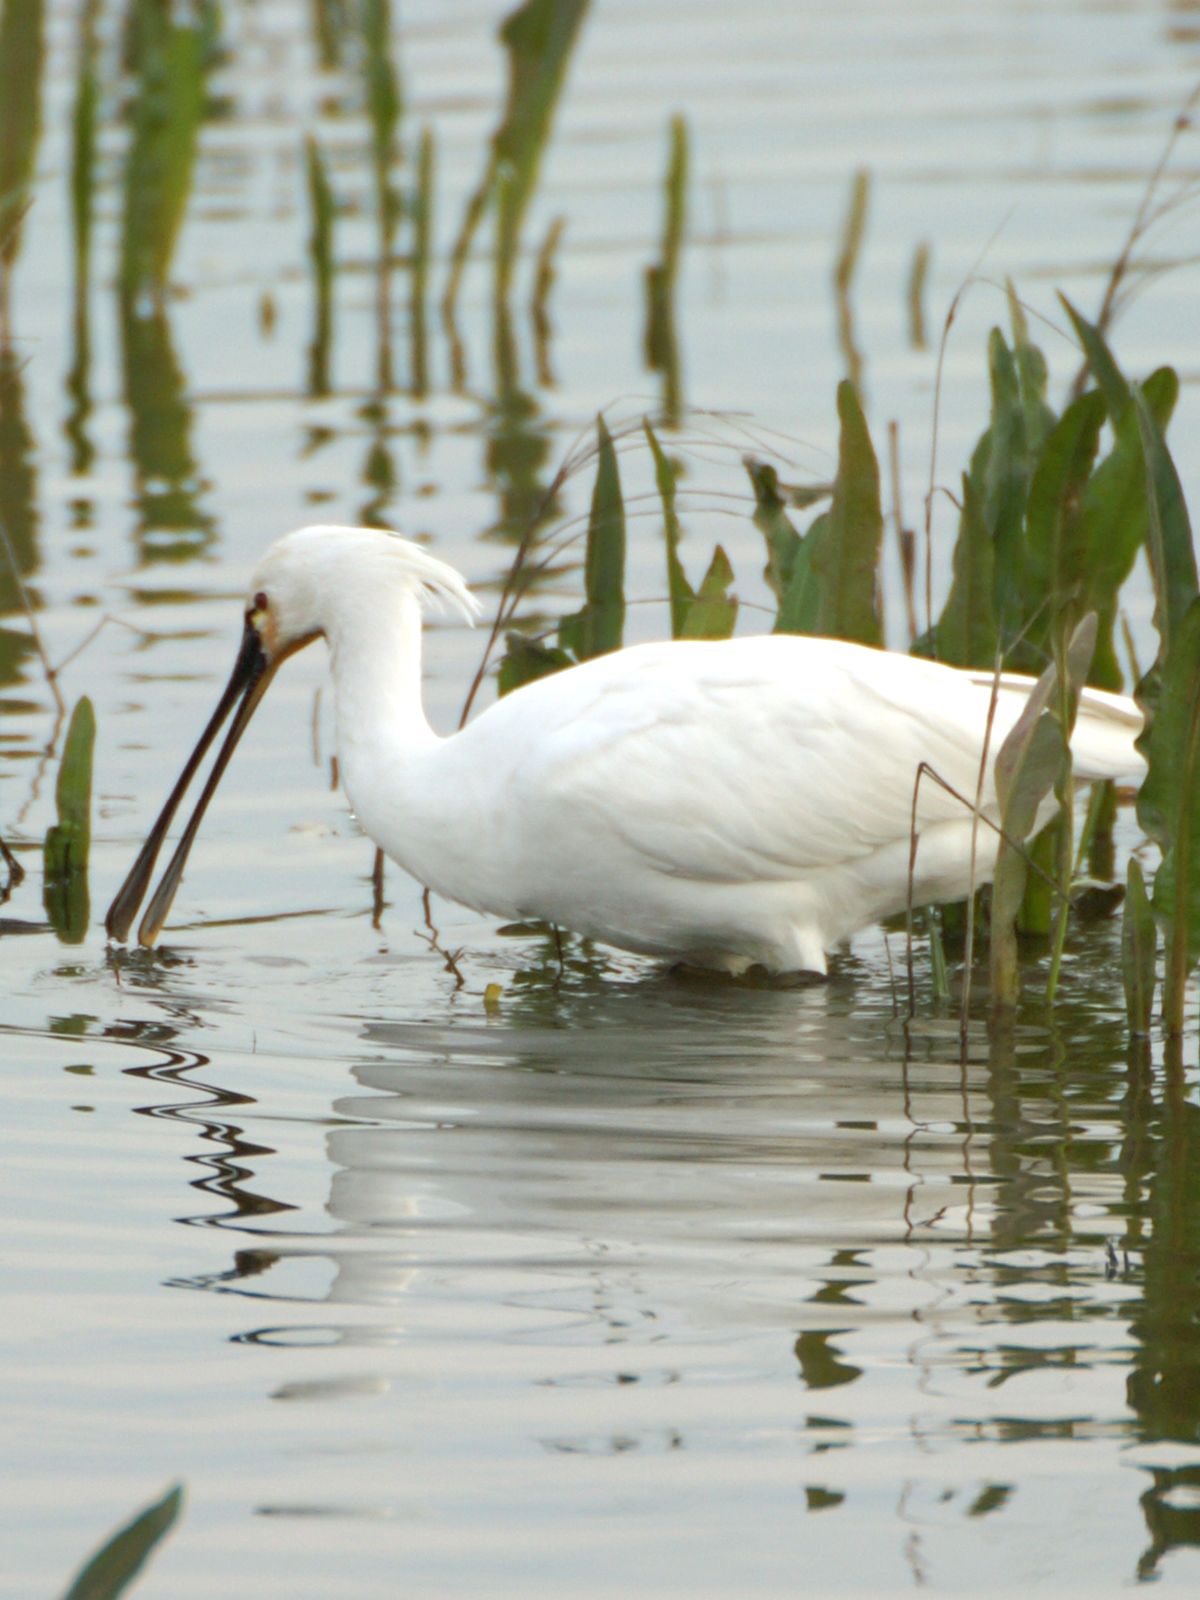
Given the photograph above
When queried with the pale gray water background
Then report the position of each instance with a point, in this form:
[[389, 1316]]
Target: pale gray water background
[[628, 1285]]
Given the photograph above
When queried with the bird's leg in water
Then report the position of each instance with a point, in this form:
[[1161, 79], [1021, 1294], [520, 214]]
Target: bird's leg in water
[[558, 945], [377, 892]]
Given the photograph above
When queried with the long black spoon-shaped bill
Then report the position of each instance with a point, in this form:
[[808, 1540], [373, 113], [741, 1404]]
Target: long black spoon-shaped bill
[[249, 680]]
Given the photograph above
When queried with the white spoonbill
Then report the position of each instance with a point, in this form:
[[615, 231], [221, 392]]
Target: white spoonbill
[[720, 803]]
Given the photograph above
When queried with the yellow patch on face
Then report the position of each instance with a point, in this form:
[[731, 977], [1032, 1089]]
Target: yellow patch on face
[[263, 622]]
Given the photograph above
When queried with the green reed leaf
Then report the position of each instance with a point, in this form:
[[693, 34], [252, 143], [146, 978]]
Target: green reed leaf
[[1114, 515], [679, 590], [833, 588], [526, 659], [713, 612], [599, 626], [1054, 528], [119, 1560], [776, 527], [966, 630], [68, 841]]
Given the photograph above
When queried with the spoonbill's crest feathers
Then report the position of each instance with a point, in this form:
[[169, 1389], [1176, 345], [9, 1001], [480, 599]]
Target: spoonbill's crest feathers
[[299, 572]]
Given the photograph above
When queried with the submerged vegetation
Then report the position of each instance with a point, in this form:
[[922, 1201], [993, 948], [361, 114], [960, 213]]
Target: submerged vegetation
[[1054, 506]]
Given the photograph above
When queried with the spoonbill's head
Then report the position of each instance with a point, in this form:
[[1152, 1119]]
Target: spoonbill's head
[[308, 584], [321, 577]]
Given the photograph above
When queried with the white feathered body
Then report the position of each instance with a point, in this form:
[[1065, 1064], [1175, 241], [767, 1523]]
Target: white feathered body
[[723, 803]]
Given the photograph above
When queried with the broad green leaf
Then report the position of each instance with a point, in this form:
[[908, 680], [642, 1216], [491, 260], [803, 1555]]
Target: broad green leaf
[[713, 612], [833, 589], [848, 558], [600, 625], [800, 608], [1109, 378], [115, 1565], [1053, 524], [1032, 377], [966, 630], [1139, 941], [678, 588], [527, 659], [776, 527], [65, 853], [1114, 518], [1000, 473]]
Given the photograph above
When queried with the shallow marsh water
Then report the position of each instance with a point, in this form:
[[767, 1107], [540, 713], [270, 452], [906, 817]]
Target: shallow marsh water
[[623, 1282]]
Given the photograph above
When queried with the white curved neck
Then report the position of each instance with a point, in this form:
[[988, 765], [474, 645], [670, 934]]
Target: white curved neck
[[375, 655]]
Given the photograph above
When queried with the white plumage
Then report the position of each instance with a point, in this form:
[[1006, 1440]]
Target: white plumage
[[722, 803]]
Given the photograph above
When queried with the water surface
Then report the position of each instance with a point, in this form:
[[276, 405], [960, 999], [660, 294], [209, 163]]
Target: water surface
[[623, 1283]]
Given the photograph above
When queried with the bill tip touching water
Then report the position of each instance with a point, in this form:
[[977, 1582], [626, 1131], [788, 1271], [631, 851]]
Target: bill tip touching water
[[729, 803]]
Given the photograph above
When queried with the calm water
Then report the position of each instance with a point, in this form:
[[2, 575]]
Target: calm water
[[623, 1283]]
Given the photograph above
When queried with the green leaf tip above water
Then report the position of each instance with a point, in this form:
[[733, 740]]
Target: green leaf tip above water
[[773, 522], [1053, 522], [709, 612], [966, 630], [713, 612], [833, 587], [68, 841], [119, 1560], [528, 659], [600, 625]]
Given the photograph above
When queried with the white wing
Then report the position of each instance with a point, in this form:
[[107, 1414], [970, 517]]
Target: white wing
[[765, 758]]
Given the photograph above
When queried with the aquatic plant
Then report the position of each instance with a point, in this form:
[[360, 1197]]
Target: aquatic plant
[[123, 1555], [68, 841]]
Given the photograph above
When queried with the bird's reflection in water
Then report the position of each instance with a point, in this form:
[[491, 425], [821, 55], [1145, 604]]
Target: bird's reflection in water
[[659, 1169]]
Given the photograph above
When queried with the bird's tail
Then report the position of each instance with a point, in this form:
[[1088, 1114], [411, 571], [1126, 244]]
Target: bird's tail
[[1102, 745]]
